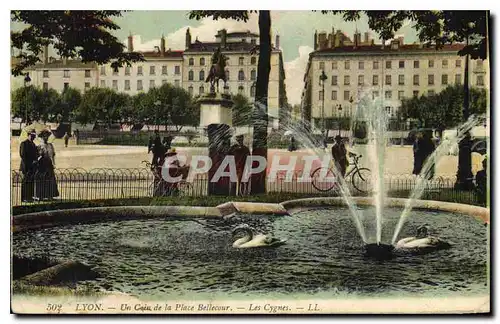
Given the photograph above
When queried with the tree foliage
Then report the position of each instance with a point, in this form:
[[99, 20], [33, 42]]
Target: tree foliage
[[242, 110], [84, 34], [436, 27], [444, 109], [36, 103], [102, 105]]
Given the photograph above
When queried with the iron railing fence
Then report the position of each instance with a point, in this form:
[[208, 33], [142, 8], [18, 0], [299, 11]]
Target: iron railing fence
[[81, 184]]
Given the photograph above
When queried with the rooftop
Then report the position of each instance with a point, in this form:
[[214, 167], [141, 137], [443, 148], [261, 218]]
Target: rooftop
[[388, 49]]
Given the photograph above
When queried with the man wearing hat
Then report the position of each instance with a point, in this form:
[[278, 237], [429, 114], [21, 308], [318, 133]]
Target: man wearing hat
[[339, 155], [240, 153], [29, 157], [481, 182]]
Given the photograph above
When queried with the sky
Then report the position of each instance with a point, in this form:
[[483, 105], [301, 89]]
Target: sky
[[296, 29]]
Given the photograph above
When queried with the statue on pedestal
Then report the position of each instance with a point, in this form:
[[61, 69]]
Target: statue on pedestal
[[217, 70]]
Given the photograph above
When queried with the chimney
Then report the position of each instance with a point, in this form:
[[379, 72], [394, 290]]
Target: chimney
[[188, 39], [278, 41], [130, 44], [367, 37], [322, 40], [162, 45], [223, 38], [65, 61], [401, 40], [45, 54], [315, 40], [372, 42]]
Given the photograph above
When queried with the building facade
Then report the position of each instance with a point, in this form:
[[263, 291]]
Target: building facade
[[390, 72]]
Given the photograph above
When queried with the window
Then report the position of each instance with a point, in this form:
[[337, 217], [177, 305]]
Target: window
[[45, 86], [416, 64], [479, 64], [361, 65], [241, 75], [202, 75], [334, 80], [66, 85], [191, 75], [334, 65], [190, 90], [361, 79], [444, 79], [127, 85], [416, 80], [177, 83], [431, 92], [445, 63], [431, 63], [321, 65], [191, 61], [401, 94], [401, 64], [127, 70], [164, 70], [388, 110], [401, 79], [253, 60], [139, 70], [347, 80], [227, 75], [241, 90], [103, 70], [458, 78], [202, 63], [87, 73], [103, 83], [347, 65], [253, 41], [388, 94], [334, 95], [115, 85], [388, 80], [388, 64], [375, 65], [430, 79], [415, 93], [241, 60], [480, 80], [458, 63], [253, 75], [45, 73], [252, 90], [115, 71], [320, 95], [177, 69], [152, 84], [374, 94], [152, 70], [164, 81], [346, 95], [66, 73], [375, 80], [201, 89], [139, 84]]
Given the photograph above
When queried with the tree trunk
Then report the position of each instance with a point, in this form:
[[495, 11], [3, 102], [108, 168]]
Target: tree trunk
[[260, 118]]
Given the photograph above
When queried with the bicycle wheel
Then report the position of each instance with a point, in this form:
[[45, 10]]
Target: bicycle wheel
[[323, 179], [362, 180]]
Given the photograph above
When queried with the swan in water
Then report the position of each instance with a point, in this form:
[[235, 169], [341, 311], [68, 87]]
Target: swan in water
[[422, 241], [250, 240]]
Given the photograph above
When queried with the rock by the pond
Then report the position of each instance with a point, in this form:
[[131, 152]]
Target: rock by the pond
[[68, 272]]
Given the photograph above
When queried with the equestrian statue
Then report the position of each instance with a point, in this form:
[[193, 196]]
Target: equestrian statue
[[217, 70]]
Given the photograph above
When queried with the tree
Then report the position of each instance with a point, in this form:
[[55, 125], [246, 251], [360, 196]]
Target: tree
[[101, 105], [72, 33], [260, 117], [34, 103], [242, 110], [70, 100]]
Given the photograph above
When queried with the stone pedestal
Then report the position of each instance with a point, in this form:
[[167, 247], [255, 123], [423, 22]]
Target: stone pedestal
[[216, 115]]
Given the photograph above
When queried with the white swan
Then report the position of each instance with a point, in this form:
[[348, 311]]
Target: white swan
[[250, 240], [422, 242]]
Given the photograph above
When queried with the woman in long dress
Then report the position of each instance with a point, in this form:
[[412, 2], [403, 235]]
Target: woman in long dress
[[46, 185]]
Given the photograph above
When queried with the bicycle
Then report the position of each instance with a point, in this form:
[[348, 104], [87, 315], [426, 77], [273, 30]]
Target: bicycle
[[360, 177], [160, 187]]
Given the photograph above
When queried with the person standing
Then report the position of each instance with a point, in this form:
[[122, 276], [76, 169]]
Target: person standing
[[292, 146], [417, 154], [150, 144], [339, 155], [66, 139], [29, 156], [158, 151], [241, 153], [427, 147], [481, 183], [45, 178]]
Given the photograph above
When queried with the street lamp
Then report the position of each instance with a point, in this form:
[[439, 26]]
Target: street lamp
[[157, 104], [464, 173], [340, 112], [27, 80], [322, 79]]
